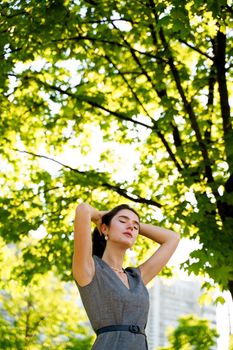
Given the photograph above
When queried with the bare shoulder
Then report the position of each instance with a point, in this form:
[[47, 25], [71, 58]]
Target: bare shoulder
[[85, 275]]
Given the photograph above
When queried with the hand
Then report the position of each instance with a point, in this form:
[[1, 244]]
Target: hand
[[98, 219]]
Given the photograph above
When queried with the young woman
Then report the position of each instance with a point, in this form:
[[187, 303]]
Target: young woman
[[116, 299]]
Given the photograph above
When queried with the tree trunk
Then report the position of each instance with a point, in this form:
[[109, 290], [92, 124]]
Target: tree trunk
[[230, 284]]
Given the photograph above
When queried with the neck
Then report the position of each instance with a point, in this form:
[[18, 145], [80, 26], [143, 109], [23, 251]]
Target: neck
[[114, 257]]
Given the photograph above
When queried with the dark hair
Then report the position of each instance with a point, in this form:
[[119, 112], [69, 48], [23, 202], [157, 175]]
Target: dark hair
[[98, 241]]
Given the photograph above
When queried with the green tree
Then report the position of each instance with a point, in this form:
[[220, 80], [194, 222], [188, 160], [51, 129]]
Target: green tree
[[231, 342], [153, 77], [191, 333], [42, 315]]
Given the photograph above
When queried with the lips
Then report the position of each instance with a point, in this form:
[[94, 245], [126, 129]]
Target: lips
[[127, 233]]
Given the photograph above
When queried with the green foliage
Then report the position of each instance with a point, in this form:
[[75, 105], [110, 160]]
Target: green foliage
[[231, 342], [42, 315], [191, 333], [9, 339], [114, 102]]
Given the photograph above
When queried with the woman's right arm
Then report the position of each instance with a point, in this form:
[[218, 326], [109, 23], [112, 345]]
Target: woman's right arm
[[83, 264]]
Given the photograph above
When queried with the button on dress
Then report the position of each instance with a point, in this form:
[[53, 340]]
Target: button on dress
[[108, 301]]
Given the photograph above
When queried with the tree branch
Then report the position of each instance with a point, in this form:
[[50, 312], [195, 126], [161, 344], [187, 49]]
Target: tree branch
[[132, 197], [219, 45], [196, 49], [210, 103], [111, 42], [128, 85], [119, 115], [176, 136], [161, 94], [116, 187], [188, 108]]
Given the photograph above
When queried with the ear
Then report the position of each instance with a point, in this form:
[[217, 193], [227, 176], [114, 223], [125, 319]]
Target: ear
[[104, 228]]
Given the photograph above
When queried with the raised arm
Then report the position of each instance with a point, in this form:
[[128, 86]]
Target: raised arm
[[83, 264], [168, 241]]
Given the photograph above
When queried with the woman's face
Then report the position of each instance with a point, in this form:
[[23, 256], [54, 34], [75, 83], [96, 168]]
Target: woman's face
[[124, 228]]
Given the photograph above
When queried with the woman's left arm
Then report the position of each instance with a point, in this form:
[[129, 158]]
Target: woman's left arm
[[168, 241]]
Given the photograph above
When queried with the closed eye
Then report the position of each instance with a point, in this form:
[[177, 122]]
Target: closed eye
[[124, 220]]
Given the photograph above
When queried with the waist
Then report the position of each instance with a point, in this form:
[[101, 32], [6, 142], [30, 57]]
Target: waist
[[133, 328]]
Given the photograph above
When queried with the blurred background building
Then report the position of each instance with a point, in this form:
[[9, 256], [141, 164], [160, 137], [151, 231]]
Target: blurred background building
[[171, 300]]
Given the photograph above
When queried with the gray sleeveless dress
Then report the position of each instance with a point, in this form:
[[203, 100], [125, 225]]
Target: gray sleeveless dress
[[108, 301]]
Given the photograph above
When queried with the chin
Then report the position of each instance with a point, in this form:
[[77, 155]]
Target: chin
[[128, 245]]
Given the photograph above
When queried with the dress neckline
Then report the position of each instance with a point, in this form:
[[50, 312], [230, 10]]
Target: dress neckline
[[128, 277]]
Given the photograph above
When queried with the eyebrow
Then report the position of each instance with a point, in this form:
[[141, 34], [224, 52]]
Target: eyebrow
[[126, 217]]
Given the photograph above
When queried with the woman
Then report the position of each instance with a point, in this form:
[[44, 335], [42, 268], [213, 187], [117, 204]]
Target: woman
[[116, 299]]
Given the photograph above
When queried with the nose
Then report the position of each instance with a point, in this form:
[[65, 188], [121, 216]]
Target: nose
[[130, 225]]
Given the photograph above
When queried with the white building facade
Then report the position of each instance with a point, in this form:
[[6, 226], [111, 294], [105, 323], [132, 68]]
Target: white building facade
[[170, 301]]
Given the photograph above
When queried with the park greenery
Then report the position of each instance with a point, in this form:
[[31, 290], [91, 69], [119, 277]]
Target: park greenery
[[111, 102], [39, 316], [191, 333], [231, 342]]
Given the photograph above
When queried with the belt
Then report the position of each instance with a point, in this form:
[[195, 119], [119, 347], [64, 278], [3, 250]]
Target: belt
[[120, 327]]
